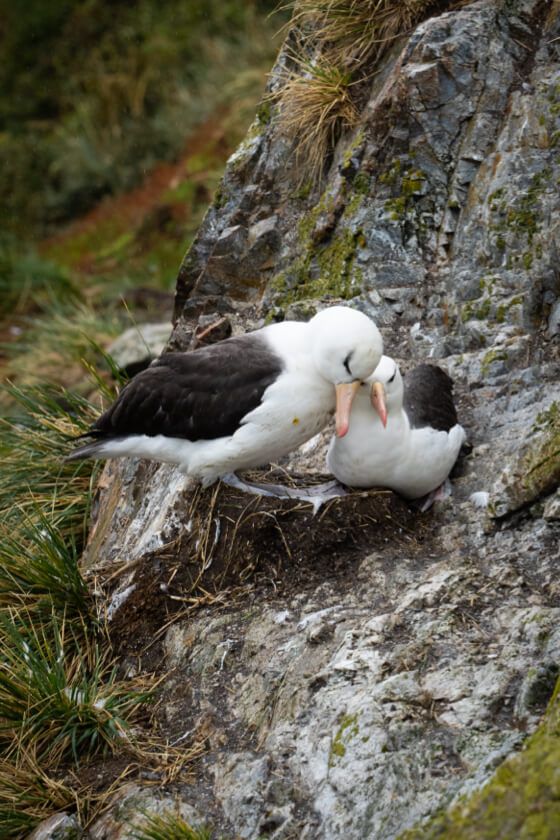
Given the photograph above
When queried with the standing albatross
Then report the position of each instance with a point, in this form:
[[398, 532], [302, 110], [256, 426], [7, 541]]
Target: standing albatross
[[244, 401], [410, 439]]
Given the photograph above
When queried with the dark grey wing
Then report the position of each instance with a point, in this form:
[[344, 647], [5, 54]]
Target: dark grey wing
[[428, 398], [199, 395]]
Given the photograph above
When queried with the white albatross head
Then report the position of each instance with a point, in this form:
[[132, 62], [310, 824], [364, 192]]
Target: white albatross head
[[346, 349], [387, 389]]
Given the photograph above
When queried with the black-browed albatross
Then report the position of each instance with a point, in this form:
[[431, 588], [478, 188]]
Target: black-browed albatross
[[402, 436], [244, 401]]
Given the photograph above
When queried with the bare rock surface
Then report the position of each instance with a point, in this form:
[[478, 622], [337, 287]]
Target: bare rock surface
[[138, 346], [353, 671]]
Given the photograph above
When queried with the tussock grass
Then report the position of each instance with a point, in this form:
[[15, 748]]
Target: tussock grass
[[28, 794], [39, 569], [62, 702], [168, 826], [33, 442], [340, 46], [361, 31], [318, 108], [58, 694], [61, 705]]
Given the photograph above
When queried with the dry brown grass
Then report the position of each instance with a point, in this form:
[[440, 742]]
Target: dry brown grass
[[360, 31], [29, 793], [317, 107], [340, 46]]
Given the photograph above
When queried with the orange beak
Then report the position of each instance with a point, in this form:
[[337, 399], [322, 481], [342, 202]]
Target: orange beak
[[345, 393], [377, 398]]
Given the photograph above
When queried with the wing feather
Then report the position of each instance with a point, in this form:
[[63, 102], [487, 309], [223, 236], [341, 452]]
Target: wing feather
[[428, 398], [198, 395]]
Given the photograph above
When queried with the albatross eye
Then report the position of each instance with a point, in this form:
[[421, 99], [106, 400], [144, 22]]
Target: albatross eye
[[347, 363], [393, 376]]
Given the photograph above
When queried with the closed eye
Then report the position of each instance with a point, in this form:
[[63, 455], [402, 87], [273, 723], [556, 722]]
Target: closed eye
[[347, 363], [393, 376]]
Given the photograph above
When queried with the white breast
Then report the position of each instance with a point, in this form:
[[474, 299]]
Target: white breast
[[410, 461]]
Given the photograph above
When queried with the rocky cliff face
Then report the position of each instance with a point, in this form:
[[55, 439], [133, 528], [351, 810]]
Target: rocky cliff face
[[353, 671]]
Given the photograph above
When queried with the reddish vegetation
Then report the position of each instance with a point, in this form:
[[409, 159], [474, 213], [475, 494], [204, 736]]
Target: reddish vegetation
[[147, 202], [153, 224]]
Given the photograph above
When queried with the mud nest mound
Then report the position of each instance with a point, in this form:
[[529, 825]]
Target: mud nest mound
[[234, 544]]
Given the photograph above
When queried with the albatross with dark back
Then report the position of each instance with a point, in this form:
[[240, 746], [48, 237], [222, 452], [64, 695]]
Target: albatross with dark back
[[244, 401]]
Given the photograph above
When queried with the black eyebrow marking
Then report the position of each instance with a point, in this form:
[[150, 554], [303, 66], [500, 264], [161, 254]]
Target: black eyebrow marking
[[347, 362]]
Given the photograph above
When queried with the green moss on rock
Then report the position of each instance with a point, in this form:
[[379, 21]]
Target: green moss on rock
[[303, 191], [479, 310], [541, 463], [222, 196], [490, 357], [537, 471], [523, 220], [262, 118], [411, 185], [308, 221], [518, 217], [361, 182], [504, 308], [496, 200], [391, 175], [323, 271], [348, 729], [522, 800]]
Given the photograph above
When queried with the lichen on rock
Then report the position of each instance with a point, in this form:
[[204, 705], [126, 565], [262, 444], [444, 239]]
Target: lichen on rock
[[536, 471]]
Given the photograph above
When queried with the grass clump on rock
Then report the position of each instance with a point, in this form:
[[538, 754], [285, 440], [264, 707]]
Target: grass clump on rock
[[338, 47], [169, 826]]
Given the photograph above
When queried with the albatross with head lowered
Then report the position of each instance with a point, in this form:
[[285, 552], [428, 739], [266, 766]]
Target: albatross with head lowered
[[244, 401], [403, 436]]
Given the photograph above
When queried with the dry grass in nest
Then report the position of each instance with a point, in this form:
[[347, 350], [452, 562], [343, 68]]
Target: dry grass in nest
[[235, 543], [346, 40]]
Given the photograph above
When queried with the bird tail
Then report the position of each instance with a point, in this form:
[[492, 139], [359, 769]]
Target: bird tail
[[88, 450]]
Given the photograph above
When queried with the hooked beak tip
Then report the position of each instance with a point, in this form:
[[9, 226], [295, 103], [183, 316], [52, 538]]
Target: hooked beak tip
[[345, 393], [377, 398]]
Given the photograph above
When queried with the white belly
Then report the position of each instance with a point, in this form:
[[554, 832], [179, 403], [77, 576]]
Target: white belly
[[294, 408], [410, 461]]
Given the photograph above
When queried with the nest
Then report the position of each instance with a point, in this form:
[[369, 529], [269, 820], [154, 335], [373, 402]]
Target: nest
[[235, 545]]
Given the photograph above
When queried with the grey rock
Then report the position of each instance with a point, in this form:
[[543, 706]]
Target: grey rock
[[231, 242], [552, 507], [61, 826], [352, 695], [138, 346], [554, 319]]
